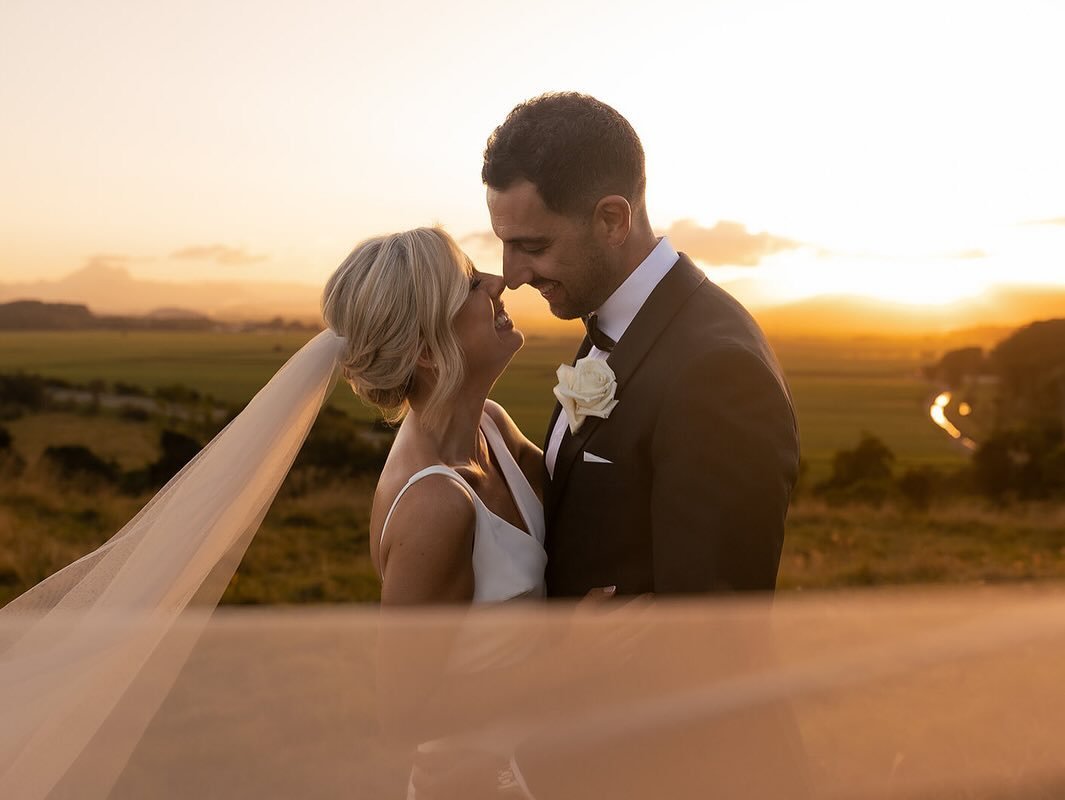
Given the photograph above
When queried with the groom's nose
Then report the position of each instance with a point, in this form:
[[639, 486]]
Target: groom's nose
[[515, 273]]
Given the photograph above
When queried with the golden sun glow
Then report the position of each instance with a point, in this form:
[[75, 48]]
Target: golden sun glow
[[274, 143]]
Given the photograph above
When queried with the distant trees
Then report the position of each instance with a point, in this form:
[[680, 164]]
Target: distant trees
[[864, 475], [1031, 369], [178, 394], [1024, 458], [958, 366], [1024, 464]]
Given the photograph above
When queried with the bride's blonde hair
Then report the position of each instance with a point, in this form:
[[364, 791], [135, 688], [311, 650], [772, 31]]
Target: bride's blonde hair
[[394, 298]]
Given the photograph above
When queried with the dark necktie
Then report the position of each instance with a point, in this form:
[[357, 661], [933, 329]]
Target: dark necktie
[[599, 339]]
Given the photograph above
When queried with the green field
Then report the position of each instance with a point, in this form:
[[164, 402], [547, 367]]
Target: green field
[[841, 388], [312, 546]]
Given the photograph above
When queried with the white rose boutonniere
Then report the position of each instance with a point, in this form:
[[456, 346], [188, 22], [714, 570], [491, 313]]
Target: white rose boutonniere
[[586, 390]]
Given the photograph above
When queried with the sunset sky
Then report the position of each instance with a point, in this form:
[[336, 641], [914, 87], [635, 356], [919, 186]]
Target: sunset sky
[[899, 150]]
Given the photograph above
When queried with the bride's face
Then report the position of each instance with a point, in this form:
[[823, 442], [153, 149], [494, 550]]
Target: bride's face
[[484, 329]]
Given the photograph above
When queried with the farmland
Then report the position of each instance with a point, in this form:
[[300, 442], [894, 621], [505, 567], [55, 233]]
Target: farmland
[[841, 388], [313, 544]]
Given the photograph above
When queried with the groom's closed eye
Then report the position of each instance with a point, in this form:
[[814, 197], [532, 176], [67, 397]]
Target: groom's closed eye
[[531, 246]]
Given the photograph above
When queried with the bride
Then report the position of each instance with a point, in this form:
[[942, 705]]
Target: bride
[[457, 515], [88, 654]]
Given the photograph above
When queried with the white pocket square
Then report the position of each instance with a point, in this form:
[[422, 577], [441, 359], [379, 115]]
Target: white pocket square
[[592, 458]]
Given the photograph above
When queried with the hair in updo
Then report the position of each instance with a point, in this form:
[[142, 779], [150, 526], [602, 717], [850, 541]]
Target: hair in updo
[[394, 298]]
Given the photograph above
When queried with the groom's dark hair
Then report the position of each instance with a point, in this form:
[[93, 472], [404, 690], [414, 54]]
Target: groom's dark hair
[[573, 148]]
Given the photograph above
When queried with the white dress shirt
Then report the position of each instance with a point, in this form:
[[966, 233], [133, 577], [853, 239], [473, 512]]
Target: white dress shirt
[[614, 318]]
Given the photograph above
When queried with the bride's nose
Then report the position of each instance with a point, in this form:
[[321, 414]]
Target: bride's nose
[[495, 284]]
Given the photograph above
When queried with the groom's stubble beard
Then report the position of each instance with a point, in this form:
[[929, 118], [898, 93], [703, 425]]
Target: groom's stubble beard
[[592, 283]]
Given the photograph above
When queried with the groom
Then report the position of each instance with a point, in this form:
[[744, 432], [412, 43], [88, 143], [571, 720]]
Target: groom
[[673, 451]]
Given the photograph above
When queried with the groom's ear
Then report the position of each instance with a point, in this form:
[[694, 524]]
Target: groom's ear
[[613, 218]]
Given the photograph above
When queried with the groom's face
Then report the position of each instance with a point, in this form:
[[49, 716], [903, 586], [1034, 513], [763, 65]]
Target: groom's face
[[556, 254]]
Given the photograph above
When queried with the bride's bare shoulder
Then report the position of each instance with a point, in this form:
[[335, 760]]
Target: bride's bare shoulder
[[424, 509], [424, 554]]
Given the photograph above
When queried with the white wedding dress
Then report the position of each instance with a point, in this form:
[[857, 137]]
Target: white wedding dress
[[507, 562]]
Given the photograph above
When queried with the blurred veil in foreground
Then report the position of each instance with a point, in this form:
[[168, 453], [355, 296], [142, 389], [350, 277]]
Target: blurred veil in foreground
[[118, 678], [880, 694]]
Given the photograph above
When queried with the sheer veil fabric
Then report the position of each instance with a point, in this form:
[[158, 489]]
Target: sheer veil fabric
[[116, 680], [88, 654], [888, 694]]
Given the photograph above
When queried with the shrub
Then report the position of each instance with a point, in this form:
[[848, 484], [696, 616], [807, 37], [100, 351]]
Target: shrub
[[11, 463], [133, 414], [342, 446], [178, 394], [918, 486], [74, 462], [177, 450], [22, 393], [861, 475], [129, 390]]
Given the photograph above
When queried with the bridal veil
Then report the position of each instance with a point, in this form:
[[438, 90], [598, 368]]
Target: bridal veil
[[103, 629]]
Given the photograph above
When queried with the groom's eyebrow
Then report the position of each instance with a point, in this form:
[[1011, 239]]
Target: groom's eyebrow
[[520, 240]]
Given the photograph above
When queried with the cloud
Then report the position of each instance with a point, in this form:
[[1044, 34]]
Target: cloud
[[1051, 221], [219, 253], [106, 260], [727, 243]]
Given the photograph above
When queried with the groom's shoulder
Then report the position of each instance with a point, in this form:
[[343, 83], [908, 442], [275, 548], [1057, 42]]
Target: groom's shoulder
[[712, 319]]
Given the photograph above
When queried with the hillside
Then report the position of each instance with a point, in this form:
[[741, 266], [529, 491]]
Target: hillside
[[113, 290], [34, 315], [846, 315]]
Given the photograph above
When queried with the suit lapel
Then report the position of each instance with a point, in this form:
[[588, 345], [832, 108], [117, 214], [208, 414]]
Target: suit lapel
[[653, 317], [549, 484]]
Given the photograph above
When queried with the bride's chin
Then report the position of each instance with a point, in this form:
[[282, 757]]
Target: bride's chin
[[511, 337]]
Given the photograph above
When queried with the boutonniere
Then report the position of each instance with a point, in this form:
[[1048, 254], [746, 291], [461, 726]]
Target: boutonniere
[[586, 390]]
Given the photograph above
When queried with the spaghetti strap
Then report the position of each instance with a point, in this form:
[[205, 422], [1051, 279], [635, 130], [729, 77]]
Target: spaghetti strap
[[507, 561], [436, 469]]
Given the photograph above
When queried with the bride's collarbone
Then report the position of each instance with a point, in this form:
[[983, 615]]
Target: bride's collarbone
[[495, 493]]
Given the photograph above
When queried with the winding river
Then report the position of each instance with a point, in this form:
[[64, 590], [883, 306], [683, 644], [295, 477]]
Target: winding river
[[938, 412]]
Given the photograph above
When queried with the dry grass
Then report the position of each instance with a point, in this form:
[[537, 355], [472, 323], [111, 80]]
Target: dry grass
[[311, 547], [313, 544], [961, 542], [130, 444]]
